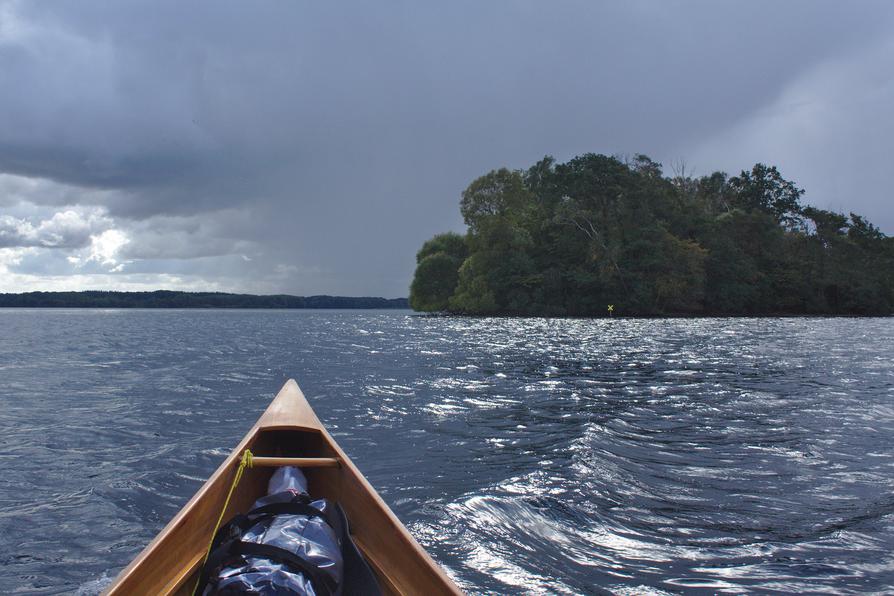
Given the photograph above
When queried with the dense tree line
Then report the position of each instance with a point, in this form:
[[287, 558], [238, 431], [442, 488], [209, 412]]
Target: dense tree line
[[569, 239], [170, 299]]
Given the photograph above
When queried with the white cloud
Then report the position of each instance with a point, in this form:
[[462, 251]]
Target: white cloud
[[71, 228], [104, 248], [12, 257]]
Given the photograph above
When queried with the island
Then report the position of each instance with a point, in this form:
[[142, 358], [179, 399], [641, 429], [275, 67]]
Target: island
[[604, 235]]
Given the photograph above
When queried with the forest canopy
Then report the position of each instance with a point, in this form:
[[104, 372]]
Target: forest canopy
[[572, 238]]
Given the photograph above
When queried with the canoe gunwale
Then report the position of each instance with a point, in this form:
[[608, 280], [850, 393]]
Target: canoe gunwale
[[403, 566]]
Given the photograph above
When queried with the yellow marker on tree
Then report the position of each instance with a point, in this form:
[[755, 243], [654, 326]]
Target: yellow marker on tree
[[611, 310]]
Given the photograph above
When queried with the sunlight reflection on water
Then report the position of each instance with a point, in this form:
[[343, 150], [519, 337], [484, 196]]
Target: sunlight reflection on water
[[527, 455]]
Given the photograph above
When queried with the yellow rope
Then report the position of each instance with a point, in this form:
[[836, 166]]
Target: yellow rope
[[246, 462]]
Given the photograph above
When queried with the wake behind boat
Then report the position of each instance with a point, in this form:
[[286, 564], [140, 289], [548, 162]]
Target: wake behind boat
[[288, 433]]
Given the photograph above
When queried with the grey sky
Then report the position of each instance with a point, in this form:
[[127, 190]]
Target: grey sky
[[310, 148]]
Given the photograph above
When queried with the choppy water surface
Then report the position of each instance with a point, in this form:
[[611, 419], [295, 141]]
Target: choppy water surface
[[527, 455]]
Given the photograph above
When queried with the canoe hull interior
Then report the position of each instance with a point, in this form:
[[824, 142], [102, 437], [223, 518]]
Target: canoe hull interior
[[289, 428]]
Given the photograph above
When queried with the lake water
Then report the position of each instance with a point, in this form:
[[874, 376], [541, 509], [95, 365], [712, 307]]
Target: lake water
[[527, 455]]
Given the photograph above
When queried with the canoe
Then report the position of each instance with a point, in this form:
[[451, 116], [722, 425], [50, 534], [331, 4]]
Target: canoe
[[289, 428]]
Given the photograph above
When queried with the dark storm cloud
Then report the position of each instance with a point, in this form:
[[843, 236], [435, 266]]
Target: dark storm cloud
[[327, 142]]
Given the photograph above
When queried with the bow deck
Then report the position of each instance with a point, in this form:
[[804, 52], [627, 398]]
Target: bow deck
[[289, 428]]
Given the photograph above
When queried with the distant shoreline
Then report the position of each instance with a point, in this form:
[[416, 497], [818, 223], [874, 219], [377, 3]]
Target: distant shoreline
[[206, 300]]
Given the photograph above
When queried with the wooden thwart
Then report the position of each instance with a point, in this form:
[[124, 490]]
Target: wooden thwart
[[171, 562], [299, 462]]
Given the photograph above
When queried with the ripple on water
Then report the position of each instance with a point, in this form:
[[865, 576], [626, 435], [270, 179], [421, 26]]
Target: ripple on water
[[528, 455]]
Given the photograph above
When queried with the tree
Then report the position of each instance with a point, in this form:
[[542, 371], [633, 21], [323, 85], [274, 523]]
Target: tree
[[473, 293], [665, 274], [764, 189], [827, 225], [714, 194], [437, 272], [449, 243], [497, 196], [569, 238], [863, 232], [498, 209]]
